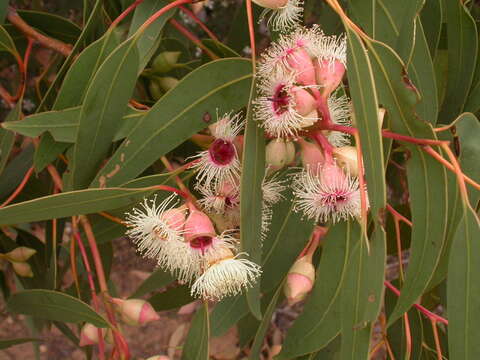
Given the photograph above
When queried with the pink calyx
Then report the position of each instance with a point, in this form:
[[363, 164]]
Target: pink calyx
[[300, 61], [328, 75]]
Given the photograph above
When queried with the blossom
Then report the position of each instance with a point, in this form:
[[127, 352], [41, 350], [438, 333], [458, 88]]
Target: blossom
[[220, 162], [225, 275], [327, 194], [151, 226], [272, 193], [282, 107], [220, 198]]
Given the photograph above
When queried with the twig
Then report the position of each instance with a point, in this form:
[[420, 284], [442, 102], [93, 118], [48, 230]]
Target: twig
[[30, 32], [19, 188]]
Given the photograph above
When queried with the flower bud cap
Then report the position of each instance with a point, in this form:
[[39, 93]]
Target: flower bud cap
[[165, 61], [20, 254], [328, 75], [312, 156], [198, 224], [291, 152], [175, 218], [89, 335], [301, 62], [304, 102], [300, 280], [167, 83], [136, 311]]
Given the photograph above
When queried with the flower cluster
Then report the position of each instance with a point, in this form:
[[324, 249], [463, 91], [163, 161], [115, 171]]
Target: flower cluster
[[300, 102]]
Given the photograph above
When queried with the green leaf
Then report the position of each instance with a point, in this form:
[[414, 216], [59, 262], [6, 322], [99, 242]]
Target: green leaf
[[219, 48], [365, 104], [158, 279], [5, 344], [319, 321], [227, 313], [171, 299], [53, 305], [70, 203], [427, 178], [462, 56], [104, 105], [287, 237], [264, 325], [15, 171], [251, 204], [47, 151], [3, 11], [217, 86], [7, 138], [196, 345], [432, 19], [63, 124], [463, 289], [362, 295], [6, 43], [150, 39], [52, 25]]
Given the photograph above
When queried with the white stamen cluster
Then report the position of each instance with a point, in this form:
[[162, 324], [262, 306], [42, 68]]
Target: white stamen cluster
[[340, 112], [210, 172], [285, 17], [335, 198]]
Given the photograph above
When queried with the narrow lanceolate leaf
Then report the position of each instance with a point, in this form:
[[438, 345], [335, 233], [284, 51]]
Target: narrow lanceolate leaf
[[253, 172], [219, 85], [150, 39], [264, 325], [432, 18], [463, 289], [365, 104], [5, 344], [287, 237], [427, 178], [319, 321], [6, 42], [196, 346], [361, 295], [7, 138], [69, 204], [227, 313], [63, 124], [158, 279], [53, 305], [462, 57], [104, 105]]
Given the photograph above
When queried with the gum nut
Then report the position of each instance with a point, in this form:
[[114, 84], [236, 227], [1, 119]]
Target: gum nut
[[291, 152], [346, 157], [89, 334], [155, 90], [167, 83], [300, 279], [198, 224], [165, 61], [276, 154]]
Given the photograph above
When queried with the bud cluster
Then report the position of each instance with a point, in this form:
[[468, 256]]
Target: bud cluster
[[18, 258]]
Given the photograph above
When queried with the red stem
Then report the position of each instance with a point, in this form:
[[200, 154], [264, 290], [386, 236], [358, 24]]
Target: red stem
[[199, 22], [251, 33], [91, 283], [323, 142], [422, 309], [124, 14], [160, 12], [19, 188], [185, 32]]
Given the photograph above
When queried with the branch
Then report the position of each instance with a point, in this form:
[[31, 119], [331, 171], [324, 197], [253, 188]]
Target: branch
[[30, 32]]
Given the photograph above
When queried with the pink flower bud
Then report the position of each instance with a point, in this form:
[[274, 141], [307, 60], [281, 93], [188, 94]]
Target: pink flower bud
[[310, 119], [302, 64], [159, 357], [20, 254], [304, 102], [276, 154], [198, 225], [329, 75], [331, 175], [312, 156], [22, 269], [300, 280], [271, 4], [89, 335], [346, 157], [136, 311]]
